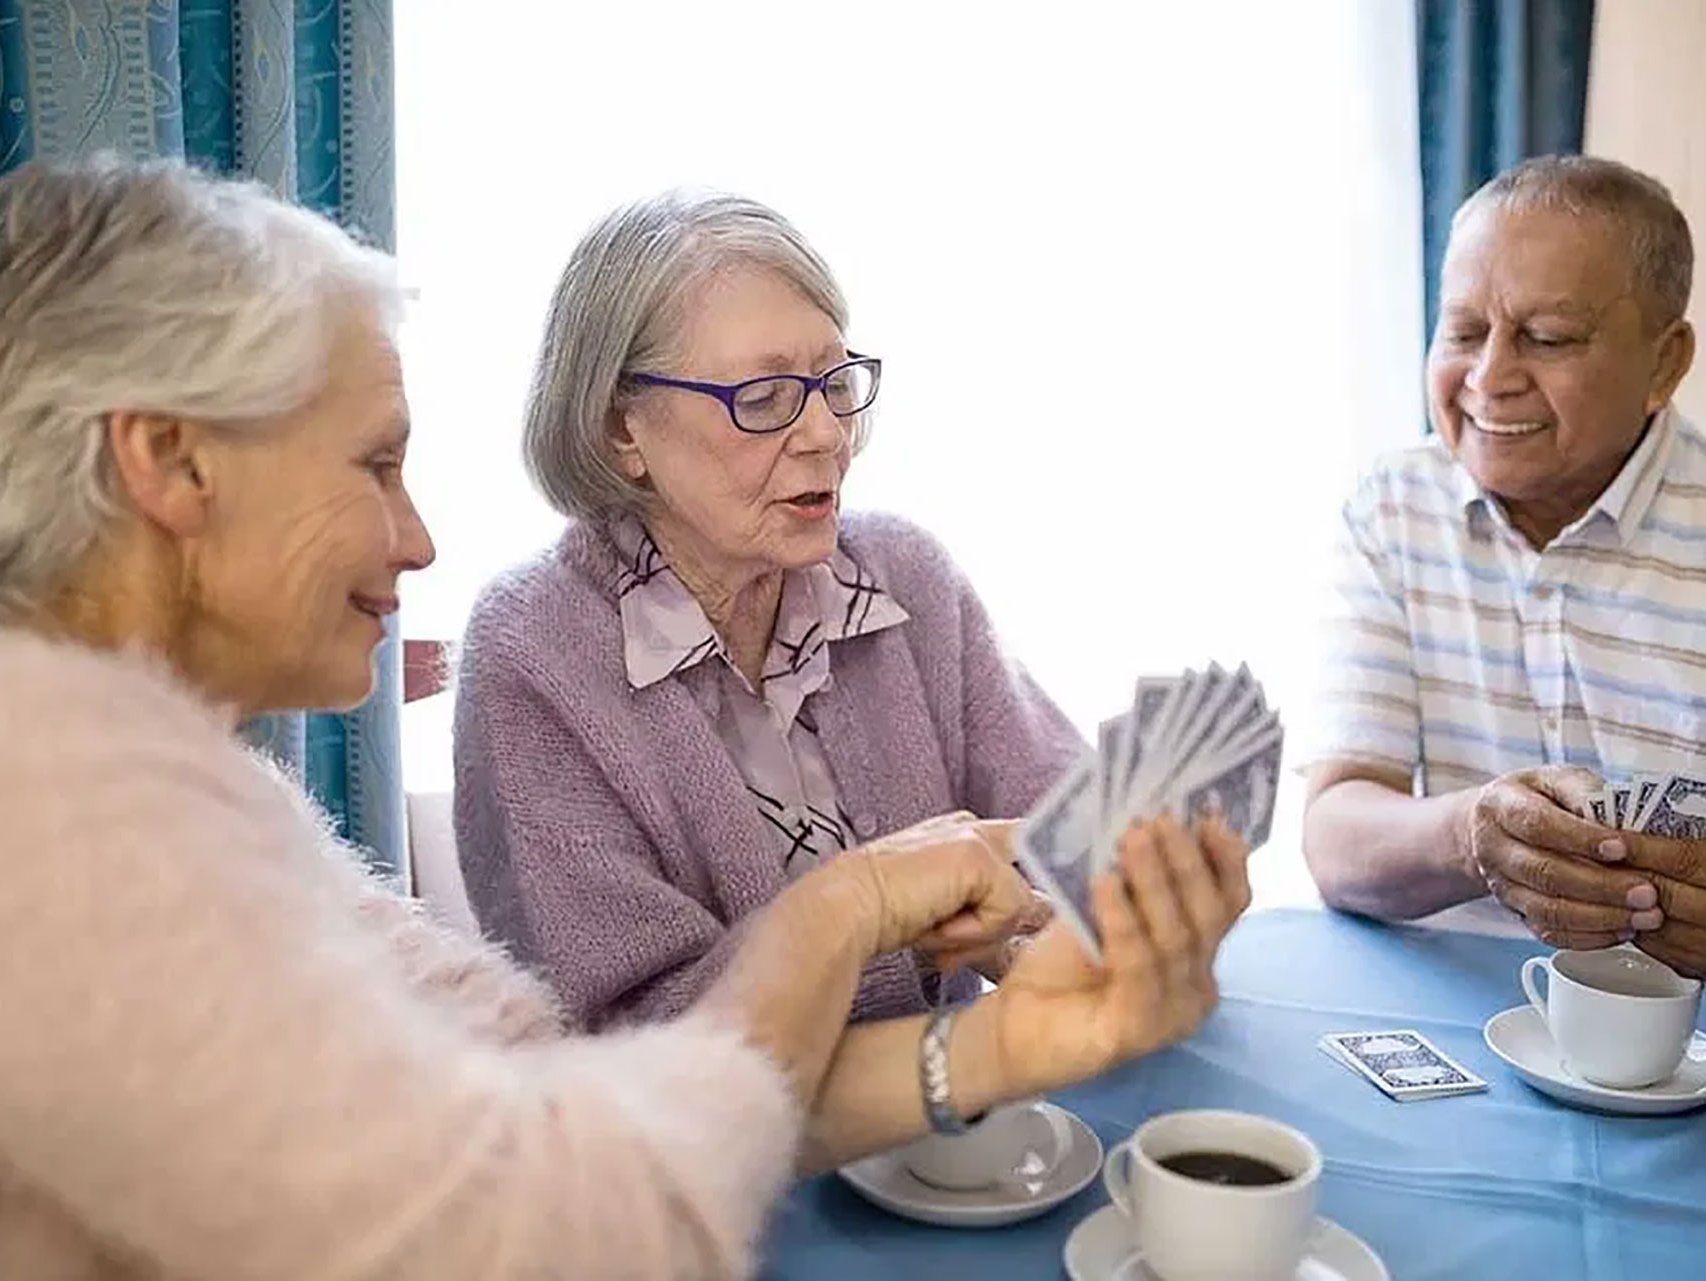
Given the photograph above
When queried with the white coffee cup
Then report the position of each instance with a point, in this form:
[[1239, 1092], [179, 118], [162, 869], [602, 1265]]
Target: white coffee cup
[[1002, 1147], [1619, 1017], [1193, 1229]]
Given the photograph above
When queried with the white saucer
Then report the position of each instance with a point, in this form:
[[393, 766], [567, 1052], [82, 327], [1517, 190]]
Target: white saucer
[[884, 1180], [1099, 1249], [1519, 1037]]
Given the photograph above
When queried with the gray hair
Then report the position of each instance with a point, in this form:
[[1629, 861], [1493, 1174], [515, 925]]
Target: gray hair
[[618, 310], [154, 288], [1661, 250]]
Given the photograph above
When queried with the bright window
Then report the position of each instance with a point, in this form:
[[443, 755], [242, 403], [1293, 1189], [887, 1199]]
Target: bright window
[[1144, 278]]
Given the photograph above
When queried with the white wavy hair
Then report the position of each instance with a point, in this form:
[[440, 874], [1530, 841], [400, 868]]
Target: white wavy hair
[[149, 287]]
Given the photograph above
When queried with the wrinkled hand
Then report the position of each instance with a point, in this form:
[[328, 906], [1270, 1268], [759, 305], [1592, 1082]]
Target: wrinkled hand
[[946, 886], [1160, 914], [1565, 876], [1677, 871]]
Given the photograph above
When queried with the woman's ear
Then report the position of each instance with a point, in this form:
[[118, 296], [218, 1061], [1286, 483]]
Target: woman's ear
[[630, 460], [165, 468]]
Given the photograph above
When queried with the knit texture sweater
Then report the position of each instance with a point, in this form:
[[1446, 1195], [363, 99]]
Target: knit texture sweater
[[606, 834], [225, 1052]]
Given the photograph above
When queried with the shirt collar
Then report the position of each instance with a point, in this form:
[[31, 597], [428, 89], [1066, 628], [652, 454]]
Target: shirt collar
[[665, 631], [1625, 501]]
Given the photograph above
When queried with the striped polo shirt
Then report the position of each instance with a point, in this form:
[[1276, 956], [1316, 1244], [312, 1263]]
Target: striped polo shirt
[[1456, 652]]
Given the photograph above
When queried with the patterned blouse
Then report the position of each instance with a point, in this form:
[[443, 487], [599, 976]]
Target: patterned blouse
[[770, 732]]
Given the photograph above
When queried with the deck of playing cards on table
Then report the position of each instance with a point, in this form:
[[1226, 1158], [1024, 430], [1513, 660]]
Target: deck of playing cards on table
[[1404, 1065], [1671, 805], [1191, 743]]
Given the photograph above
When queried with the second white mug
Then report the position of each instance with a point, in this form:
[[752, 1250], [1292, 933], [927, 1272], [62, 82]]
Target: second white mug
[[1619, 1017]]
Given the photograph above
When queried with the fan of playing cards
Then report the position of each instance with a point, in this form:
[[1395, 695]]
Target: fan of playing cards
[[1671, 805], [1191, 743]]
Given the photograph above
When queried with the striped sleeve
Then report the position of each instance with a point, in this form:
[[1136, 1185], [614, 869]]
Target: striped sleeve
[[1367, 706]]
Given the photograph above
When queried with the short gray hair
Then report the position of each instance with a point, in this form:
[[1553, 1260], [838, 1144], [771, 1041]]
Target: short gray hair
[[618, 310], [1661, 250], [155, 288]]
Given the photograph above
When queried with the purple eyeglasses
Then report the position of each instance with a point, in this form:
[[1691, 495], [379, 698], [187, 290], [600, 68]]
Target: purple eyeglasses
[[759, 406]]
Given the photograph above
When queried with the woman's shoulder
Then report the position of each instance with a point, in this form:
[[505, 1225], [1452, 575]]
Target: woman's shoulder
[[89, 737], [906, 559], [62, 696], [551, 624]]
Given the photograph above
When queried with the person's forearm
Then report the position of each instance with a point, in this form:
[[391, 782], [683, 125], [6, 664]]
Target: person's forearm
[[1381, 853], [790, 984], [872, 1098]]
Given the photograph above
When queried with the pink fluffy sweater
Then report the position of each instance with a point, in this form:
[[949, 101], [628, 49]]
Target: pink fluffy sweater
[[226, 1053]]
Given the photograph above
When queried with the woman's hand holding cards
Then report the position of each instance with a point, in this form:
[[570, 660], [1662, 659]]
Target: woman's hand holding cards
[[1160, 912]]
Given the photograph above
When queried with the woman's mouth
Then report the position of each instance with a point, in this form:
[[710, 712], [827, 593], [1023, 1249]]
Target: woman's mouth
[[814, 504], [374, 606]]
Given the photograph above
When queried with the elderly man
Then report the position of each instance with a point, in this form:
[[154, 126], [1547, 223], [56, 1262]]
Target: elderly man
[[1522, 599]]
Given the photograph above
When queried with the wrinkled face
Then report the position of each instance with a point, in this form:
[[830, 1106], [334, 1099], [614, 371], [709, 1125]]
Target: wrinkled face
[[308, 531], [741, 505], [1542, 369]]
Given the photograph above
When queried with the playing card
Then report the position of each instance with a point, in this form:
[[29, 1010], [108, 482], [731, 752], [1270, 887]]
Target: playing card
[[1404, 1064], [1647, 789], [1242, 790], [1190, 744], [1679, 812], [1597, 808], [1620, 812], [1056, 847]]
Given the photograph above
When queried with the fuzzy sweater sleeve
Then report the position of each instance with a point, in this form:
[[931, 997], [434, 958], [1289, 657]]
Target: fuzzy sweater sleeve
[[218, 1067]]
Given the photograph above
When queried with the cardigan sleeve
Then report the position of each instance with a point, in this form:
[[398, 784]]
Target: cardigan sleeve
[[557, 866], [213, 1065]]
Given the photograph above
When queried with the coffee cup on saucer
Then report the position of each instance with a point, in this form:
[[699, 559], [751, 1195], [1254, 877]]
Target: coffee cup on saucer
[[1217, 1196], [1619, 1017], [1000, 1148]]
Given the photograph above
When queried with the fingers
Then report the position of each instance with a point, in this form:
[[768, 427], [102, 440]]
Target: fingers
[[1193, 877], [1528, 807], [1231, 858], [1683, 861], [1146, 862], [1558, 877], [1561, 923], [1566, 786]]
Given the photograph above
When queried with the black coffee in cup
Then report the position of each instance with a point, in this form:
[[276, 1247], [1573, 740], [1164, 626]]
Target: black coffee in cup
[[1229, 1169]]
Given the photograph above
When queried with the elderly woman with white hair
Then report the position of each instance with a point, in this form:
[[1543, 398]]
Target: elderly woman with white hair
[[718, 680], [224, 1051]]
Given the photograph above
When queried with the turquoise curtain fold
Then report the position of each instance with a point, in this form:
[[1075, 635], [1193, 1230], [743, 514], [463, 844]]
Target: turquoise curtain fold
[[1499, 81], [296, 94]]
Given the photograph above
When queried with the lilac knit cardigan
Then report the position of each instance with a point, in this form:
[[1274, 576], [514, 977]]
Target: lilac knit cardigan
[[605, 832]]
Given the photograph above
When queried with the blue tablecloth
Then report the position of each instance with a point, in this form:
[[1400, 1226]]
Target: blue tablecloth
[[1507, 1184]]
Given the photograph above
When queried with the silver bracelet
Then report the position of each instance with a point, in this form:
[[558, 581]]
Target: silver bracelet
[[939, 1108]]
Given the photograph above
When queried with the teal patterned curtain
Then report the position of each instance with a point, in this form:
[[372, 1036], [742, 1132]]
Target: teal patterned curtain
[[295, 93]]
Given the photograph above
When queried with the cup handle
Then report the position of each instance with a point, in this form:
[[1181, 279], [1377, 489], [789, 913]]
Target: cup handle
[[1116, 1177], [1532, 966], [1060, 1142]]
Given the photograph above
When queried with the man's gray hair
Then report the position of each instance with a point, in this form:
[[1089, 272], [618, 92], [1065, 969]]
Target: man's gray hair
[[153, 288], [619, 310], [1661, 250]]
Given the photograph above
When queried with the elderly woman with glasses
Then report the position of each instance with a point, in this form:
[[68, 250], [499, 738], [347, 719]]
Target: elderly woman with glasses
[[718, 679]]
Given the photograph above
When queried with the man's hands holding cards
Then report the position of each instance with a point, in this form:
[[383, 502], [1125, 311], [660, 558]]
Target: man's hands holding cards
[[1536, 838]]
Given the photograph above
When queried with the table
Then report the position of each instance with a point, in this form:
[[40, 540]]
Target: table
[[1506, 1184]]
